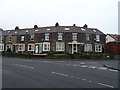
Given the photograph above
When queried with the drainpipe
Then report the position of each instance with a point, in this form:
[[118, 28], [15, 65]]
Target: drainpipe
[[26, 41], [72, 48]]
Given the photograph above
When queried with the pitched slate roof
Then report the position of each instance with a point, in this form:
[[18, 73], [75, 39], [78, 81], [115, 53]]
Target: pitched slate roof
[[115, 36], [51, 29]]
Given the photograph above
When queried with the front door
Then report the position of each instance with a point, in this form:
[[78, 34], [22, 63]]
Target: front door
[[38, 48], [13, 48], [16, 48], [74, 48]]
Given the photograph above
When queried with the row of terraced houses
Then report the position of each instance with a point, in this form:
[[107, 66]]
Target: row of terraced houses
[[68, 39]]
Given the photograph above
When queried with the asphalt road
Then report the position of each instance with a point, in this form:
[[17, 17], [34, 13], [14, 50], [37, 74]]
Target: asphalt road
[[30, 73]]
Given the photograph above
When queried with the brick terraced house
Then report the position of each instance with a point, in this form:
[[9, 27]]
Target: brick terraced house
[[68, 39]]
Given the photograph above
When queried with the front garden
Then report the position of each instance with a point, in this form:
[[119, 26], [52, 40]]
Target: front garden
[[62, 55]]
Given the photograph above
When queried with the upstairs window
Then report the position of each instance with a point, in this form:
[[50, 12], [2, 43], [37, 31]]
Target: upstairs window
[[32, 37], [46, 36], [22, 38], [10, 38], [1, 38], [97, 38], [60, 36], [74, 36], [87, 37]]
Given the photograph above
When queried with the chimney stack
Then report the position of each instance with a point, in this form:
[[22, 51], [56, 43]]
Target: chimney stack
[[16, 28], [57, 24], [35, 27], [74, 24], [85, 26]]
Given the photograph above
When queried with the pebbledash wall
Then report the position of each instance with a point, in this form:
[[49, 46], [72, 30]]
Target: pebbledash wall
[[68, 39]]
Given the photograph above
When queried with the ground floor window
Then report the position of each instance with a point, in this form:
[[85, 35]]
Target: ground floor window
[[60, 46], [46, 46], [88, 47], [1, 47], [21, 47], [8, 46], [31, 47], [98, 48]]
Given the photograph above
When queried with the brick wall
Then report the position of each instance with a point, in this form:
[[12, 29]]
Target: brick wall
[[112, 47]]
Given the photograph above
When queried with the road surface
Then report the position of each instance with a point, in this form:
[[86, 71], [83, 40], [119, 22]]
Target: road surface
[[45, 73]]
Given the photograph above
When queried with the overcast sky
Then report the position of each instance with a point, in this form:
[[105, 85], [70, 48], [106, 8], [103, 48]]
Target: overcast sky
[[101, 14]]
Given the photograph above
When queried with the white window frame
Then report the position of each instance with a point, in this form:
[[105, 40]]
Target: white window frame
[[9, 46], [60, 36], [20, 48], [32, 47], [46, 46], [22, 38], [87, 37], [74, 36], [97, 38], [60, 46], [10, 38], [88, 47], [1, 38], [98, 48], [47, 36], [1, 47], [32, 37]]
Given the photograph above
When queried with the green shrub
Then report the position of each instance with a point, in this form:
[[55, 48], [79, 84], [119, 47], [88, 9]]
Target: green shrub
[[54, 52], [9, 50]]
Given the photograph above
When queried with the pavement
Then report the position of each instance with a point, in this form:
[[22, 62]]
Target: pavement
[[46, 73], [111, 67]]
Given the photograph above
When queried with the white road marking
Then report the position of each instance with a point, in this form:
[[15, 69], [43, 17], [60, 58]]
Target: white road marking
[[60, 74], [24, 66], [72, 76], [90, 81], [102, 68], [84, 66], [106, 85], [83, 79], [93, 67], [32, 67], [113, 70], [74, 65], [82, 63]]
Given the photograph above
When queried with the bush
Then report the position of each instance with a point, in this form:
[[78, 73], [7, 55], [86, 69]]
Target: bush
[[54, 52], [9, 50]]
